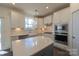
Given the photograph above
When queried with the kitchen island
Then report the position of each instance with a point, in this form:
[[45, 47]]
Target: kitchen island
[[33, 46]]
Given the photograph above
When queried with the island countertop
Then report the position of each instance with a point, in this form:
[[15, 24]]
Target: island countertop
[[30, 46]]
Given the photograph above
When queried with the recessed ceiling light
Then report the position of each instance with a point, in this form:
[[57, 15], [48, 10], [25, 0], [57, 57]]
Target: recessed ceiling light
[[47, 7]]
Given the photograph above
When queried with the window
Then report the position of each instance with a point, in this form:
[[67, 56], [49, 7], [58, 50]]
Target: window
[[30, 24]]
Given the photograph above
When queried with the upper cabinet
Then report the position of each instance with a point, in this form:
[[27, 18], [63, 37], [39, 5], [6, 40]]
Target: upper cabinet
[[40, 22], [48, 19], [17, 19], [62, 16]]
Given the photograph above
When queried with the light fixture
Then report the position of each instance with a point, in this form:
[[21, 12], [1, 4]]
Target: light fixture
[[36, 12], [17, 41], [42, 29], [13, 2], [17, 29], [45, 27], [47, 7]]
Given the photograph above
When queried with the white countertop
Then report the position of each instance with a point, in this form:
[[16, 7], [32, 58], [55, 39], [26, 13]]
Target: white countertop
[[30, 46]]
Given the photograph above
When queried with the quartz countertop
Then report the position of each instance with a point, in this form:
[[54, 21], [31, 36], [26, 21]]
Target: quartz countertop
[[30, 46]]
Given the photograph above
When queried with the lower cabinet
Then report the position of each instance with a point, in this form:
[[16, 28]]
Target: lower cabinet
[[48, 51]]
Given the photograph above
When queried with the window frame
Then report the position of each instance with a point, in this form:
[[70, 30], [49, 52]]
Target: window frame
[[27, 25]]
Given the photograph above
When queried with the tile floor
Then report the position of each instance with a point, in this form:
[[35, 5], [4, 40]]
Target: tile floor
[[60, 52]]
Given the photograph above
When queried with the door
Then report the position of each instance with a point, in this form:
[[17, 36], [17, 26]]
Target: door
[[75, 31]]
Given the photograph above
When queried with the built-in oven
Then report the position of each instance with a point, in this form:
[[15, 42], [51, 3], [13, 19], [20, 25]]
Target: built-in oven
[[61, 28], [61, 39], [61, 33]]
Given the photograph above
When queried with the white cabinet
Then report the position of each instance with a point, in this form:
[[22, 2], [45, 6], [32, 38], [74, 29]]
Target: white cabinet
[[48, 19], [62, 16], [56, 18], [17, 19], [40, 22]]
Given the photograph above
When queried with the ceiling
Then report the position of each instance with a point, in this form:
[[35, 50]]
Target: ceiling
[[29, 8]]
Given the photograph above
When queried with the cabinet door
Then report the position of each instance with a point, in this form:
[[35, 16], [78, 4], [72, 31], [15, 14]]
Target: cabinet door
[[62, 16], [65, 15], [40, 22], [17, 19], [75, 33], [56, 18], [48, 19]]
